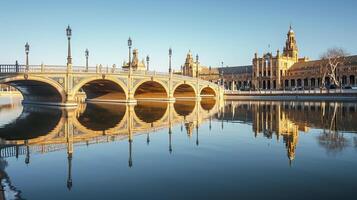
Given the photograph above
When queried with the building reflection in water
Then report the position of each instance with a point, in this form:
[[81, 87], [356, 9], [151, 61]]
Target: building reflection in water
[[286, 119], [42, 129]]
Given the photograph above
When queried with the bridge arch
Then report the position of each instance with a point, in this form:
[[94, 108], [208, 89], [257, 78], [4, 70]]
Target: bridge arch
[[184, 90], [102, 89], [37, 89], [208, 91], [150, 89]]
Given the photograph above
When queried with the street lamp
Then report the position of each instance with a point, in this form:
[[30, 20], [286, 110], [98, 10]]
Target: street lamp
[[27, 50], [209, 74], [170, 55], [197, 65], [147, 62], [130, 43], [87, 55], [69, 35], [222, 78]]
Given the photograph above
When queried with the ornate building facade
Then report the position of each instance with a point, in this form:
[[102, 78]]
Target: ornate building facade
[[191, 67], [282, 71], [269, 70], [135, 63]]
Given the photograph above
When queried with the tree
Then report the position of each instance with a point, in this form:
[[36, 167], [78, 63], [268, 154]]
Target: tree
[[330, 60], [331, 139]]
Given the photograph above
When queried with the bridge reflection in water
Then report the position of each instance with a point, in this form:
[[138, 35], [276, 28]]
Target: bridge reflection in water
[[46, 129], [41, 129]]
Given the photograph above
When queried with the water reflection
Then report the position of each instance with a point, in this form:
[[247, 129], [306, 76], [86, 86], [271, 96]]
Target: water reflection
[[286, 119], [51, 128], [38, 130], [55, 129], [101, 117], [44, 129]]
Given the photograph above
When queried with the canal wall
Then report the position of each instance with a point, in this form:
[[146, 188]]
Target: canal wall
[[292, 96]]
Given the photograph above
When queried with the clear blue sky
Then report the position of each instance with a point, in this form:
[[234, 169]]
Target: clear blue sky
[[229, 31]]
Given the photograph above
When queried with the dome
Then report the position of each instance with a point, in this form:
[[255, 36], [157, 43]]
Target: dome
[[291, 29]]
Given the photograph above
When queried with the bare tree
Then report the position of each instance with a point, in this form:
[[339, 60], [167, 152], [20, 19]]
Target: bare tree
[[330, 60], [331, 139]]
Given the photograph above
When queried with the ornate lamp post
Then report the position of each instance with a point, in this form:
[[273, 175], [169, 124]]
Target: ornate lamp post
[[222, 78], [170, 55], [69, 35], [69, 177], [147, 62], [130, 43], [209, 74], [87, 55], [197, 76], [130, 162], [27, 50]]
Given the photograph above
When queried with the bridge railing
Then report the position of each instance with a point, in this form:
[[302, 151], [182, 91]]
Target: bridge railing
[[12, 68], [17, 68]]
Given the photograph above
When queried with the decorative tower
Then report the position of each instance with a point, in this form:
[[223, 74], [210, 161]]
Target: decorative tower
[[135, 60], [134, 63], [291, 49], [191, 67]]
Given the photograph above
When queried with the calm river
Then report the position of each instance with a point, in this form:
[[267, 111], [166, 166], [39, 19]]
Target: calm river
[[183, 150]]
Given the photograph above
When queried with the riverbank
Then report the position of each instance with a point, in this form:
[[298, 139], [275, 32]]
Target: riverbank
[[9, 93], [308, 95]]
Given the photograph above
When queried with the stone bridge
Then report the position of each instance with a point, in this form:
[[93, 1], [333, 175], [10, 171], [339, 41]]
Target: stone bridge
[[63, 85]]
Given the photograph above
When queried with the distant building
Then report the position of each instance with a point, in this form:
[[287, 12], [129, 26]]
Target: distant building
[[135, 63], [284, 70], [191, 67]]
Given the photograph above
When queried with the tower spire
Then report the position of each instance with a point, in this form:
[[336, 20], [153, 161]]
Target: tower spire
[[291, 49]]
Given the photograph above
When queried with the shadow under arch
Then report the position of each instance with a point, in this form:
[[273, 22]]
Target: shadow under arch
[[101, 117], [32, 123], [184, 91], [102, 90], [184, 108], [150, 90], [150, 112], [36, 89], [208, 92]]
